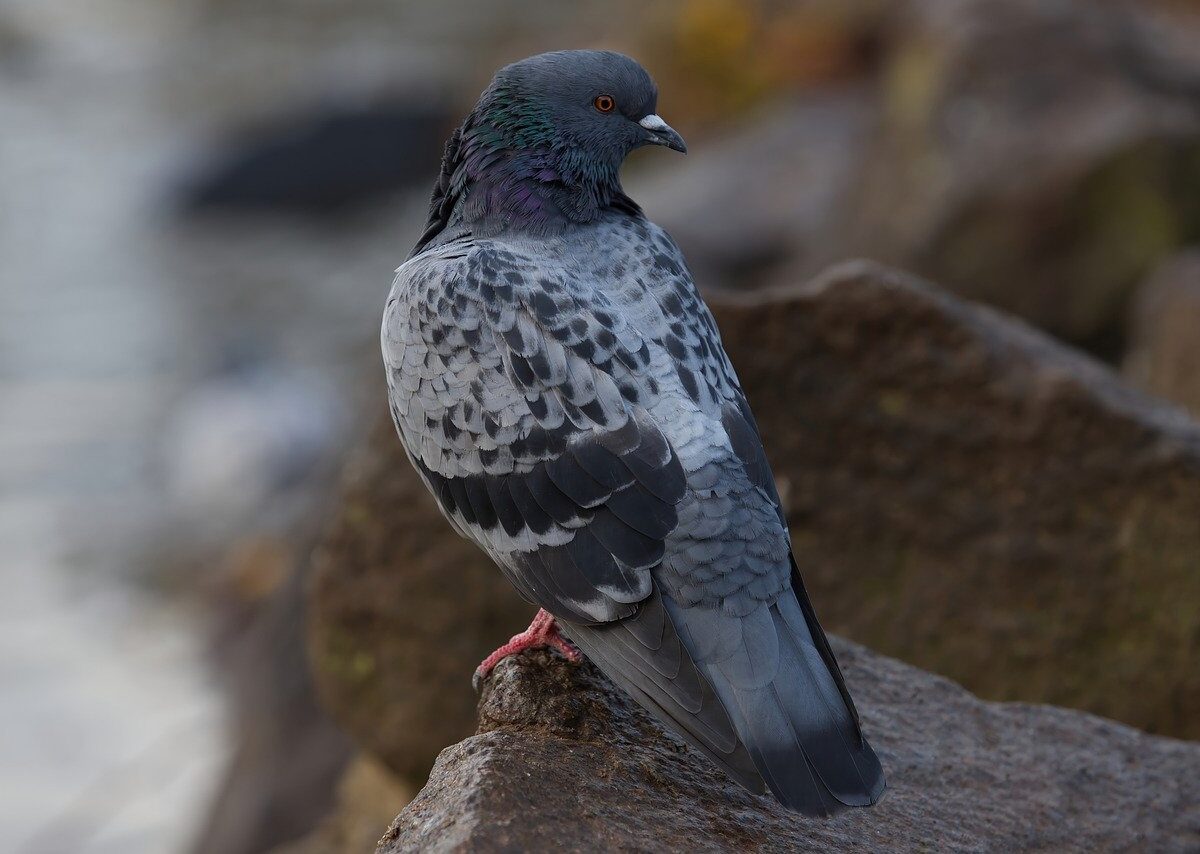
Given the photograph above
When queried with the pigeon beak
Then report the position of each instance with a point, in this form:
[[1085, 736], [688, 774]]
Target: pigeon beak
[[662, 133]]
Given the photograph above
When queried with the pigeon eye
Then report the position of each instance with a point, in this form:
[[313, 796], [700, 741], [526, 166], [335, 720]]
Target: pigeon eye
[[604, 103]]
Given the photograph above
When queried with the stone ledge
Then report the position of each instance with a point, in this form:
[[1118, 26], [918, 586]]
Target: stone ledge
[[564, 761]]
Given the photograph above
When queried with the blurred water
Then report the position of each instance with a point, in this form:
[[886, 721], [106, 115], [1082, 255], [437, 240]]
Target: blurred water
[[111, 731]]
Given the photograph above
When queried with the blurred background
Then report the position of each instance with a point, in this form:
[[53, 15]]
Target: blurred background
[[201, 206]]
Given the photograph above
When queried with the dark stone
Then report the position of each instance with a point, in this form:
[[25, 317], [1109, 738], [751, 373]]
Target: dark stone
[[1164, 352], [564, 761], [323, 162], [972, 497], [1033, 156], [287, 752], [402, 610]]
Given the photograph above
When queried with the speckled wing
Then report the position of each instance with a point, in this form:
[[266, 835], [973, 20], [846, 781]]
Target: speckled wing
[[523, 409], [519, 408]]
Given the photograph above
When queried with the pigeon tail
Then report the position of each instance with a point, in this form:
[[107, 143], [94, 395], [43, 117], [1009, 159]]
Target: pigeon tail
[[788, 709], [644, 655]]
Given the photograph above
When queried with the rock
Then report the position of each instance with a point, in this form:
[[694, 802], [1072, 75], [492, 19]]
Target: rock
[[367, 799], [564, 761], [971, 497], [774, 192], [401, 612], [1036, 156], [287, 753], [324, 160], [1164, 354]]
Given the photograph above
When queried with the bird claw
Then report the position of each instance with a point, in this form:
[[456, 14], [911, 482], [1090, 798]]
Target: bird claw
[[542, 632]]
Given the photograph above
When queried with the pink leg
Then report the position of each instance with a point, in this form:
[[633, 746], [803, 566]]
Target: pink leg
[[542, 632]]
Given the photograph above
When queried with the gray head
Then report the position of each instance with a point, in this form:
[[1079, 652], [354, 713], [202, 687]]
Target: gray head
[[545, 143], [601, 103]]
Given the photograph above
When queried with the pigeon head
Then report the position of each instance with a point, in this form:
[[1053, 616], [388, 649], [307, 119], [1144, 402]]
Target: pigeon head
[[543, 147], [591, 106]]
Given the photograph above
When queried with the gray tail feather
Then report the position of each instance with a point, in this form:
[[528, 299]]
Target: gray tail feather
[[795, 733], [803, 736], [644, 656]]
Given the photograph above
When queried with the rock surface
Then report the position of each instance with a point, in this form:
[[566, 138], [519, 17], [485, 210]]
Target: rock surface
[[564, 761], [964, 494], [1036, 156], [971, 497], [367, 799], [775, 192], [1164, 353], [324, 161], [401, 611], [288, 754]]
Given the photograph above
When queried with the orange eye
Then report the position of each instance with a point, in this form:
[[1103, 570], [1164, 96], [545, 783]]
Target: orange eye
[[604, 103]]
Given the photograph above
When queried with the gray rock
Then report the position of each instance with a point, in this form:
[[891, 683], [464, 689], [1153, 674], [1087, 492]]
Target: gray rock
[[367, 799], [774, 191], [1035, 155], [563, 761], [1038, 156], [974, 498], [1164, 352], [401, 610]]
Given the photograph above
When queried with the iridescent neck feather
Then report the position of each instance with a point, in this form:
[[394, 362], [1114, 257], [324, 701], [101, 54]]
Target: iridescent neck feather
[[509, 168]]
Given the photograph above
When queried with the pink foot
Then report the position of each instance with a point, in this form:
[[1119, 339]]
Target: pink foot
[[542, 632]]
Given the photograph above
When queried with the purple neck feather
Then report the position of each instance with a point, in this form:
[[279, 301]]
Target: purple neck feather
[[492, 180]]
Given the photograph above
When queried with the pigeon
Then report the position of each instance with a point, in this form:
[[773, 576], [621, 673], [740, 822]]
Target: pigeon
[[561, 388]]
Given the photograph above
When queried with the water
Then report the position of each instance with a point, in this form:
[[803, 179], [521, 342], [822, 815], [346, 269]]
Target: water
[[111, 732]]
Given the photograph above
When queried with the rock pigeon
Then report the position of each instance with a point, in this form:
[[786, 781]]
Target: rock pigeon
[[562, 390]]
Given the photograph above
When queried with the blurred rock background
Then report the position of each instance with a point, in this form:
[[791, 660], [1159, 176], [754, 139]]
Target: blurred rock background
[[201, 203]]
